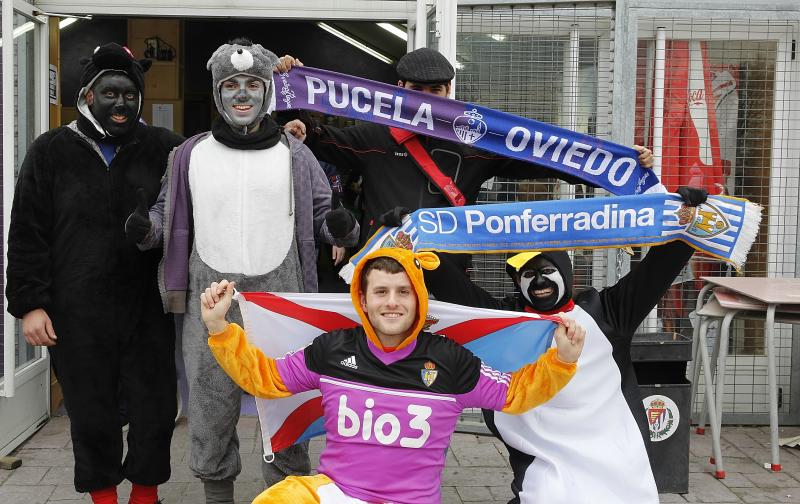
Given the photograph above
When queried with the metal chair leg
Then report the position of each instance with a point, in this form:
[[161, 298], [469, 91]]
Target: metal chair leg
[[769, 327], [713, 365], [712, 413], [724, 335], [722, 339], [696, 366]]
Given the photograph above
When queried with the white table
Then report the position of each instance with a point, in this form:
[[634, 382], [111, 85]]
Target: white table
[[752, 297]]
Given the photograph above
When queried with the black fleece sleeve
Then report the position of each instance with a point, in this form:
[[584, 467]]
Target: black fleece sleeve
[[29, 265], [627, 303], [451, 284], [523, 170], [343, 147]]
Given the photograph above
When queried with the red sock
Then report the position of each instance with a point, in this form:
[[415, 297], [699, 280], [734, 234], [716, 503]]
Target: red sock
[[105, 496], [141, 494]]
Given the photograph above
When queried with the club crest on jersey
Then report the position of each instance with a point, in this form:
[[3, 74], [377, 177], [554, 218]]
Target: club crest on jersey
[[469, 126], [703, 221], [429, 373], [429, 321]]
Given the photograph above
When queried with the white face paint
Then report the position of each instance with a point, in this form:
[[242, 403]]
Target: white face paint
[[524, 285], [537, 286], [242, 98]]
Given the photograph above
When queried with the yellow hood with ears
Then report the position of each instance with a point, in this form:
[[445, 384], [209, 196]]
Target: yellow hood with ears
[[413, 264]]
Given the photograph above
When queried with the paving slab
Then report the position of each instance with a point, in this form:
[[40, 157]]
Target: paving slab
[[25, 494], [476, 469], [26, 475], [703, 487]]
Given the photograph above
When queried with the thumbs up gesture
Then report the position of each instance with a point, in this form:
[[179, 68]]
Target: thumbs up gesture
[[138, 224]]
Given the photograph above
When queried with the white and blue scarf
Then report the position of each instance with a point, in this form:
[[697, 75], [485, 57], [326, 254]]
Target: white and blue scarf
[[723, 227]]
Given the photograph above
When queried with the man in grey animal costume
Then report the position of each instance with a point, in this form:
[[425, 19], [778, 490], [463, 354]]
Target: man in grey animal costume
[[277, 205]]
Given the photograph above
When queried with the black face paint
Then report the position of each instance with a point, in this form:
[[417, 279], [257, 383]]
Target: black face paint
[[115, 103], [542, 284]]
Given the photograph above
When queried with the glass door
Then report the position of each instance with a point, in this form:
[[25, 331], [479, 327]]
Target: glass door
[[24, 370]]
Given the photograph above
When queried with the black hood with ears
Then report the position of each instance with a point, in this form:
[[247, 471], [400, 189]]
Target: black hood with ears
[[113, 56], [109, 57], [563, 264]]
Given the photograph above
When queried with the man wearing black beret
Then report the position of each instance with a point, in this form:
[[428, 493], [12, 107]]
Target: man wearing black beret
[[428, 67], [89, 294]]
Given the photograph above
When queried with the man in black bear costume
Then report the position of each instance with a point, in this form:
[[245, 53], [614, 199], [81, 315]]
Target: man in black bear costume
[[89, 294]]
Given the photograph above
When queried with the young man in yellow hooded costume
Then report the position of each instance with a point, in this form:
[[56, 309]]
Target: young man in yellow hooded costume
[[391, 392]]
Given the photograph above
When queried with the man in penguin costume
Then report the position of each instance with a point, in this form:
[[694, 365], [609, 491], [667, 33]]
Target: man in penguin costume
[[87, 293], [249, 203], [589, 444]]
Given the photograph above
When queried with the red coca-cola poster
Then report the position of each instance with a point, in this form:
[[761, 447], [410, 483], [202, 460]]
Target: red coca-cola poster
[[699, 142], [691, 154]]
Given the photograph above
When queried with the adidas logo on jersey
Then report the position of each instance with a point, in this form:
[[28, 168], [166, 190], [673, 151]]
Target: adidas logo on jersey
[[350, 362]]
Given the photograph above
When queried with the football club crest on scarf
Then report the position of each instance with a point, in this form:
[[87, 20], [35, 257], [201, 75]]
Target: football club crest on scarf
[[703, 221], [596, 161], [469, 127], [429, 373], [724, 227]]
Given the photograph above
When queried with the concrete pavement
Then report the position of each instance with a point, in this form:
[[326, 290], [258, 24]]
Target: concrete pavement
[[476, 470]]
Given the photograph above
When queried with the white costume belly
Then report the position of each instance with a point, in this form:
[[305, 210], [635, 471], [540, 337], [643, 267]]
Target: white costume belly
[[587, 444], [242, 206]]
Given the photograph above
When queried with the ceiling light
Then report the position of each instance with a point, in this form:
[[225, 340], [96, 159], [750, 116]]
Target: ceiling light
[[498, 36], [350, 40], [26, 27], [394, 30], [19, 30], [66, 22]]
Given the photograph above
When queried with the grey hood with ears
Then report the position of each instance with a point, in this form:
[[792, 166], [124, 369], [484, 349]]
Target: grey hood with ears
[[238, 59]]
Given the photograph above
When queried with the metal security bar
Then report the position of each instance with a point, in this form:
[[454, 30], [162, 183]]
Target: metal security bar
[[730, 94]]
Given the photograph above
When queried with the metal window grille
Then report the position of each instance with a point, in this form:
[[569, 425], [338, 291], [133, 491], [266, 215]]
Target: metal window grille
[[730, 94], [551, 63], [432, 38]]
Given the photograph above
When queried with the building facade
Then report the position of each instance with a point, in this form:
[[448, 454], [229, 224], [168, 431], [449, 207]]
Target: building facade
[[712, 87]]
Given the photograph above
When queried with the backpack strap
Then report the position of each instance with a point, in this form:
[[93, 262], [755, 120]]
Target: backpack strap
[[411, 142]]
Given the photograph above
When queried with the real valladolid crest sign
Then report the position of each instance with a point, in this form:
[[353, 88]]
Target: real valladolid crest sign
[[663, 417]]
